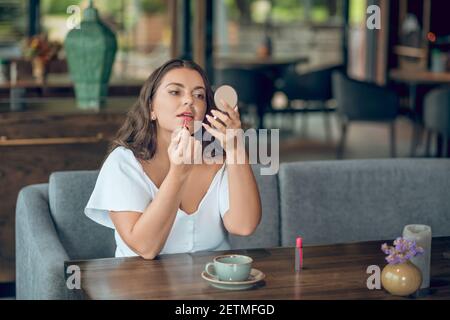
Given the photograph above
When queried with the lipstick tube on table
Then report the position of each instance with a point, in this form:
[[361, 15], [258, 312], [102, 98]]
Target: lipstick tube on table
[[299, 254]]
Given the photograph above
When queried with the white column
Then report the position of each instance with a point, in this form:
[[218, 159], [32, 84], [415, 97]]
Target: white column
[[421, 234]]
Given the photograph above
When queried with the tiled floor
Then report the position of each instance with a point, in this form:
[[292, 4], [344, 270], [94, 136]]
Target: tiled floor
[[364, 140]]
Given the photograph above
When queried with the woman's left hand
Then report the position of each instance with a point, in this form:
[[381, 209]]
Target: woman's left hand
[[227, 129]]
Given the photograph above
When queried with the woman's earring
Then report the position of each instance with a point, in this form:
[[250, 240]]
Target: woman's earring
[[153, 118]]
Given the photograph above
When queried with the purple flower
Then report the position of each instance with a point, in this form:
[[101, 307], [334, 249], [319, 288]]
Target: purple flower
[[402, 251], [385, 248]]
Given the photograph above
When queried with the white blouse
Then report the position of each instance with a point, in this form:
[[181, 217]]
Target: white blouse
[[122, 185]]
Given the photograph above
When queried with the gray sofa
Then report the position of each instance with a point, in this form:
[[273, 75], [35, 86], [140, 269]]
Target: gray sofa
[[324, 201]]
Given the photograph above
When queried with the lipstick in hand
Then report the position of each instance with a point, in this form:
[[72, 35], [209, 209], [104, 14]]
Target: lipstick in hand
[[299, 254], [186, 120]]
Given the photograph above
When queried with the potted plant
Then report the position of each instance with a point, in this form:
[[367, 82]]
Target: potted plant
[[40, 51], [153, 16], [400, 276]]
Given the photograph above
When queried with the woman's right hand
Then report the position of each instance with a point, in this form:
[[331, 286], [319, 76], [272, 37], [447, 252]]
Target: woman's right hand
[[181, 151]]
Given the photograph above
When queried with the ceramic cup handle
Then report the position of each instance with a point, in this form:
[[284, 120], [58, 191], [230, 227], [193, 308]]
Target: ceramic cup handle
[[208, 267]]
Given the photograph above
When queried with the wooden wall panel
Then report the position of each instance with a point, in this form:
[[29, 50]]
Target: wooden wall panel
[[22, 165]]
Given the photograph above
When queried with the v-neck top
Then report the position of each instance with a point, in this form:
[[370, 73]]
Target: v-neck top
[[122, 185]]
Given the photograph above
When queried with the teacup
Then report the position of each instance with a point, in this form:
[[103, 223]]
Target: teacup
[[230, 267]]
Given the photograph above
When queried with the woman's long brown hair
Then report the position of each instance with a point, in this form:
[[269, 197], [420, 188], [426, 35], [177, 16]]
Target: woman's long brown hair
[[138, 132]]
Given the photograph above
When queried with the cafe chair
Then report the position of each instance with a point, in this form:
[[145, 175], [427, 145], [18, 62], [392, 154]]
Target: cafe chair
[[51, 228], [313, 89], [254, 91], [437, 118], [366, 102]]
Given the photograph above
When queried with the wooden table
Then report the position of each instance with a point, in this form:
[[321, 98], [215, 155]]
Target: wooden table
[[413, 79], [330, 272], [28, 92], [420, 77], [256, 62]]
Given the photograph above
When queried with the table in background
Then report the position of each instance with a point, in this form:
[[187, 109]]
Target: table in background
[[255, 62], [330, 272], [18, 96]]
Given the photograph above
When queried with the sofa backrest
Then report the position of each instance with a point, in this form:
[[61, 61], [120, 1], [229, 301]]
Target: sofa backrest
[[69, 192], [268, 232], [358, 200], [323, 201]]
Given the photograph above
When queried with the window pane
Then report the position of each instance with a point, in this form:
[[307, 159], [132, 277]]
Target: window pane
[[141, 26], [13, 24], [311, 28]]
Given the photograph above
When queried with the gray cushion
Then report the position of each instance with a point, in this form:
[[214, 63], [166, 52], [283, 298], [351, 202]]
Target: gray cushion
[[356, 200], [82, 238], [39, 254], [268, 232]]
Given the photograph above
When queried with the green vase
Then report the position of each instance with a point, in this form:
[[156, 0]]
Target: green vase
[[90, 51]]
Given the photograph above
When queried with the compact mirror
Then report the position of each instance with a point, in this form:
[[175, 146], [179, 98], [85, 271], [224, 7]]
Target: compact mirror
[[227, 94]]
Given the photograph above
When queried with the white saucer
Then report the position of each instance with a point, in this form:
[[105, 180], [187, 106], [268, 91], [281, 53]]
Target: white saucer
[[255, 277]]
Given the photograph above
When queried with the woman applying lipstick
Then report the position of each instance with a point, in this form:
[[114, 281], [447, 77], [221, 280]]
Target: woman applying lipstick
[[155, 200]]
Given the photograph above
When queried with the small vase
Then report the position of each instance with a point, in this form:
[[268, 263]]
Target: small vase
[[39, 70], [401, 279]]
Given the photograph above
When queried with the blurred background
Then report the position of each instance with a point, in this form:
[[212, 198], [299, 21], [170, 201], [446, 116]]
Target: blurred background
[[342, 79]]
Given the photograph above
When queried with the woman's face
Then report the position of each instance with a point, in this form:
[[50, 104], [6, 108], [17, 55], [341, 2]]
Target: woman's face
[[180, 98]]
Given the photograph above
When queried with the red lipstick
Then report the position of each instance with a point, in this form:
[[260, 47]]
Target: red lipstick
[[186, 120], [187, 117], [299, 254]]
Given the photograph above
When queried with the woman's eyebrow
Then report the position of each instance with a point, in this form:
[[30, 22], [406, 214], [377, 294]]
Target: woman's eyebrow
[[182, 86], [175, 84]]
